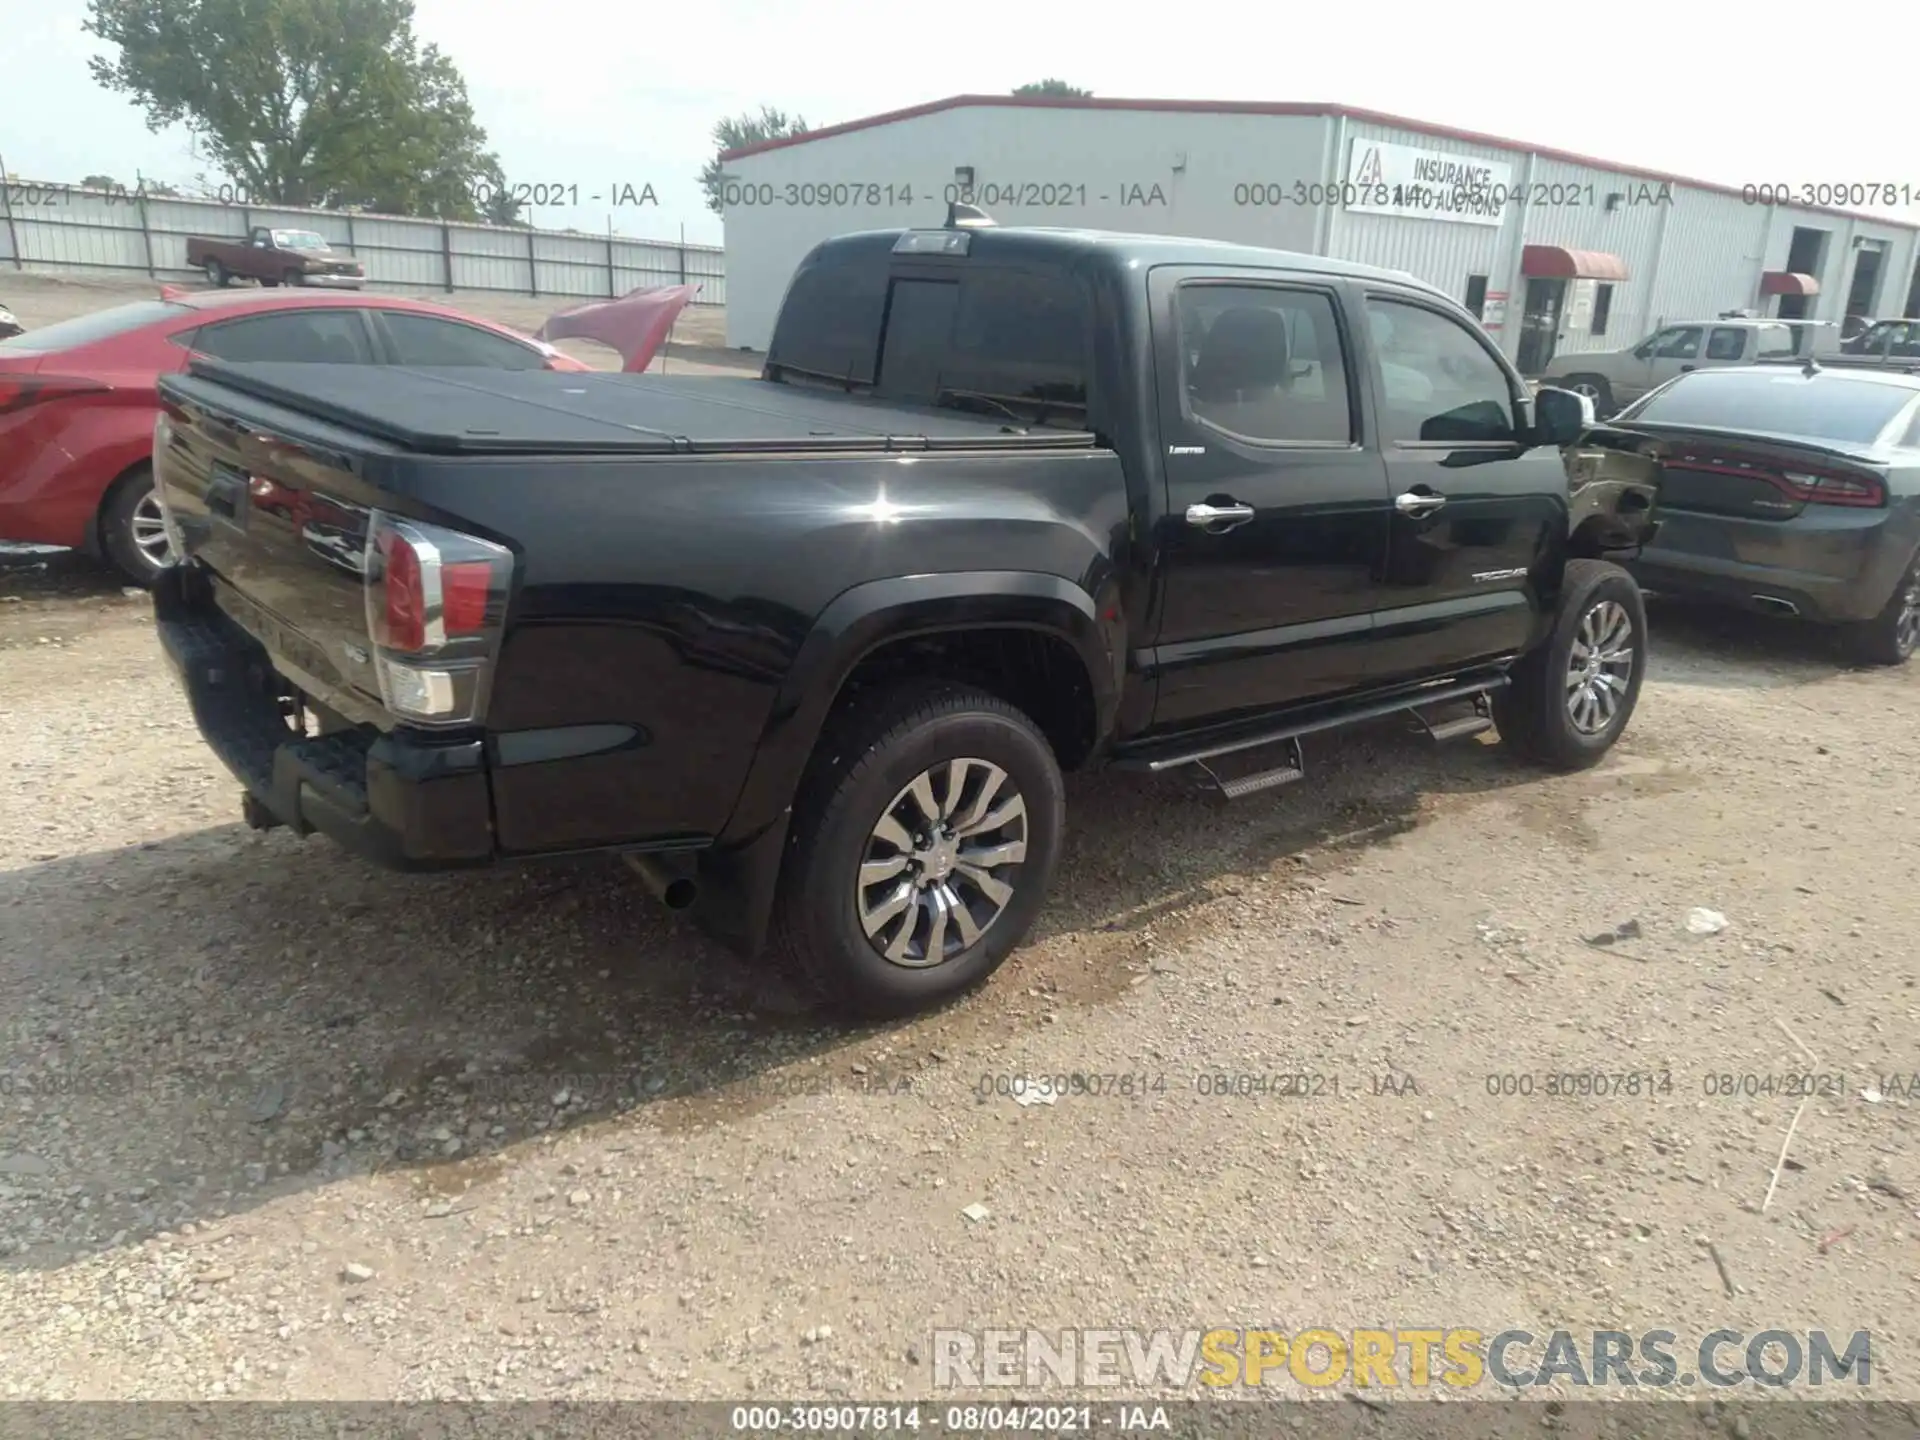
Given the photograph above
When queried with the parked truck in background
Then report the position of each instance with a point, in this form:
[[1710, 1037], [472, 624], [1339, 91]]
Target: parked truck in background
[[275, 256], [813, 649]]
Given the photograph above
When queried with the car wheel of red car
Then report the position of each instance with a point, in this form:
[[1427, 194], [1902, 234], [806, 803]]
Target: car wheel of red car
[[131, 531]]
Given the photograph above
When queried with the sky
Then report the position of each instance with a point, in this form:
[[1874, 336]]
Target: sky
[[591, 96]]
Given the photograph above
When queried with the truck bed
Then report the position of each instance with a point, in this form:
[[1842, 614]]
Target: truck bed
[[474, 411]]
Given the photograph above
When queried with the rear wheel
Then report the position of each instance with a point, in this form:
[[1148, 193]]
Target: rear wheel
[[1595, 387], [1891, 637], [1570, 699], [131, 531], [217, 274], [924, 838]]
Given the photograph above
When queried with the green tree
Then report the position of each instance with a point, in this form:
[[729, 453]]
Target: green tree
[[738, 131], [303, 102], [99, 182], [1058, 88]]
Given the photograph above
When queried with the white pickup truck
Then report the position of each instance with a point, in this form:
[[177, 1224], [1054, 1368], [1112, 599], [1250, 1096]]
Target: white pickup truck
[[1615, 378]]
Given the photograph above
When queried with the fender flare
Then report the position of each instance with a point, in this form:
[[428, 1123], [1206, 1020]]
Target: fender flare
[[862, 618]]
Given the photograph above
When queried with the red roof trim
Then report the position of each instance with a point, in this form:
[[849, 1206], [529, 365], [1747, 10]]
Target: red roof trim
[[1554, 262], [1788, 282], [1255, 107]]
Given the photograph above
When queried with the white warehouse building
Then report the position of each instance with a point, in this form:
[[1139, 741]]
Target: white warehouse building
[[1556, 253]]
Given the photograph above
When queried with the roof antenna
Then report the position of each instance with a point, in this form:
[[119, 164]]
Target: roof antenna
[[961, 216]]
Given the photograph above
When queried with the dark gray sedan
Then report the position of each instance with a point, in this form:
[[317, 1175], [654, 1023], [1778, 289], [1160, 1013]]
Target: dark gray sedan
[[1790, 489]]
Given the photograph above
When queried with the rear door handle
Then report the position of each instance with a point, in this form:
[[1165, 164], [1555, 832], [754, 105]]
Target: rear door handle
[[1413, 504], [1218, 517]]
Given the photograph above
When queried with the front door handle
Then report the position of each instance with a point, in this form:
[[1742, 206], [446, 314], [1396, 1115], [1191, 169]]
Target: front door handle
[[1218, 517], [1417, 505], [1685, 368]]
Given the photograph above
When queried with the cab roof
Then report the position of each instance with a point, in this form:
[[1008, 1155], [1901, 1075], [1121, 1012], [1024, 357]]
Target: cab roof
[[1118, 250]]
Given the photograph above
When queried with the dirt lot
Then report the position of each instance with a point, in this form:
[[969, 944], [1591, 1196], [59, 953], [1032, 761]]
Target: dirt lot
[[583, 1155]]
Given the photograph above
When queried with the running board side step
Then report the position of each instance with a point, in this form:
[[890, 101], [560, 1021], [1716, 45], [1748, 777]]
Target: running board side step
[[1233, 789], [1477, 689]]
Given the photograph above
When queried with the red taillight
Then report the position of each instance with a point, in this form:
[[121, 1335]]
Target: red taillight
[[436, 607], [19, 391], [406, 598], [464, 588], [1823, 487]]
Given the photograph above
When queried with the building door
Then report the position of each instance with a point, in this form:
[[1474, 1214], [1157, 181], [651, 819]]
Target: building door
[[1864, 294], [1540, 311]]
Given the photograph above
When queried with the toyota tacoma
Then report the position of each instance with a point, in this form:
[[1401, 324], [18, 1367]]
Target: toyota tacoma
[[812, 649]]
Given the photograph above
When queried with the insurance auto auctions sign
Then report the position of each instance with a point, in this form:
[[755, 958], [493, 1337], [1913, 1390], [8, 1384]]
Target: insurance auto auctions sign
[[1385, 179]]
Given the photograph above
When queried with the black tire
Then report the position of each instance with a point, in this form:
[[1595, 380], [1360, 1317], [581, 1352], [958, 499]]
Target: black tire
[[1891, 636], [296, 277], [1536, 711], [217, 274], [869, 756], [1598, 386], [266, 284], [125, 517]]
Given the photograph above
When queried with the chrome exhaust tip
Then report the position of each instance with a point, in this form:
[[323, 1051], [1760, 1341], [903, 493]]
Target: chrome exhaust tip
[[674, 888], [1774, 602]]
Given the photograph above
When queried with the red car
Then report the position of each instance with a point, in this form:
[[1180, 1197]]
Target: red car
[[77, 400]]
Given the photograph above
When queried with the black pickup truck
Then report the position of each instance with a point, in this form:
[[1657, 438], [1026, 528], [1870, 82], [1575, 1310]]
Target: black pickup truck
[[813, 649]]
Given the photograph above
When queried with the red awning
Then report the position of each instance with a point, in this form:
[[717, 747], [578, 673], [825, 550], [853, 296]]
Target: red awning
[[1552, 262], [1788, 282]]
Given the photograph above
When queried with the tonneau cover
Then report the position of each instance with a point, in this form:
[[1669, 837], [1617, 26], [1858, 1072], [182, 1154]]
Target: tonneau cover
[[475, 411]]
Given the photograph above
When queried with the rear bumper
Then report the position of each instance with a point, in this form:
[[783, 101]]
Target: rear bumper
[[1832, 567], [403, 802]]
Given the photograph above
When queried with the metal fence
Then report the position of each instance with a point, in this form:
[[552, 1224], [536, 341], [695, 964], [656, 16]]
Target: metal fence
[[69, 228]]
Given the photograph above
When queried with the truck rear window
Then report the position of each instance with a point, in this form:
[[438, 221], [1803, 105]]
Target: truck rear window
[[997, 336]]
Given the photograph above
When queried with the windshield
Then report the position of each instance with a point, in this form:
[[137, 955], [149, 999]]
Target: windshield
[[299, 240], [85, 329], [1825, 406]]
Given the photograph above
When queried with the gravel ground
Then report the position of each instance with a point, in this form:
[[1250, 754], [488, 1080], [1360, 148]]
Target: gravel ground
[[275, 1124]]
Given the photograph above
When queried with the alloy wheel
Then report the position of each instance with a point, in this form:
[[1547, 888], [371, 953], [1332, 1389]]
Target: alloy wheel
[[1906, 625], [941, 864], [150, 533], [1600, 666]]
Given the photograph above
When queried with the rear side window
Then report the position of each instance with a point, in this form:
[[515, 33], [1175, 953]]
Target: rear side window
[[427, 340], [314, 337], [1438, 381], [1264, 363], [1726, 342], [86, 329]]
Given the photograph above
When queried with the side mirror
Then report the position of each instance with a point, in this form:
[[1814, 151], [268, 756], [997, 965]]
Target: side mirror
[[1560, 417]]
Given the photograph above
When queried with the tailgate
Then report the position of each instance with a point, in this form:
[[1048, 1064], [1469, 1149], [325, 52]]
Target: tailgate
[[282, 521]]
